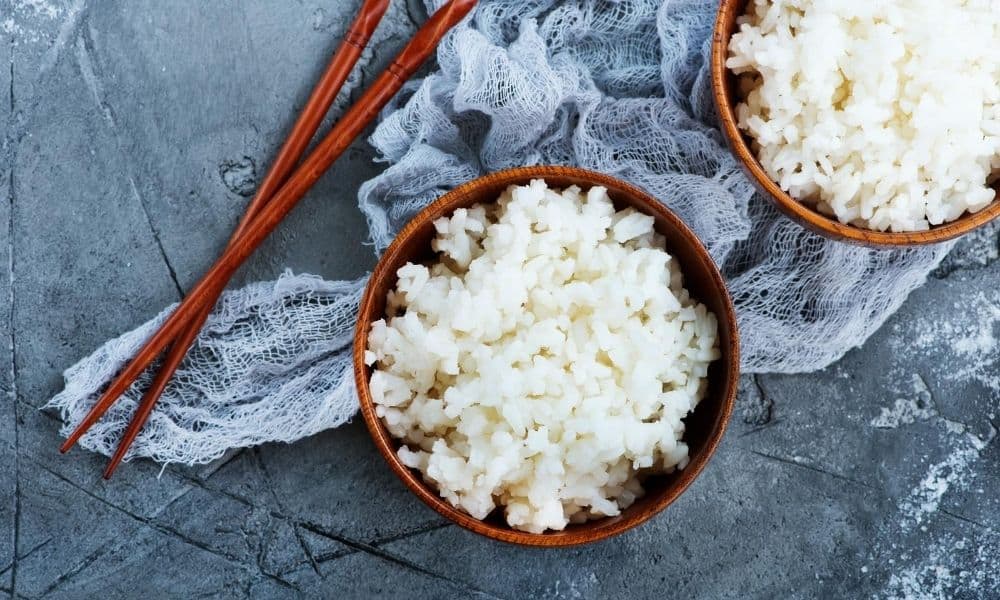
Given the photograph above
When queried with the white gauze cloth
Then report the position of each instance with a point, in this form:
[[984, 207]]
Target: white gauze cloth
[[620, 87]]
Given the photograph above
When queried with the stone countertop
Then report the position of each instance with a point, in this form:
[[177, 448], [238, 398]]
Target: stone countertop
[[133, 133]]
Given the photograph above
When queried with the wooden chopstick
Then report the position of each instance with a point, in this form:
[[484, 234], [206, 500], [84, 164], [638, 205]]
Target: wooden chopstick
[[322, 97], [350, 127]]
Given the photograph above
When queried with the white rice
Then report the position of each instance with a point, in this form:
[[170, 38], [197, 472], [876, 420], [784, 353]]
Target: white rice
[[883, 113], [546, 362]]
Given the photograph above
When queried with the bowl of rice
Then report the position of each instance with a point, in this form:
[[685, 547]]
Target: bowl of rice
[[875, 123], [547, 356]]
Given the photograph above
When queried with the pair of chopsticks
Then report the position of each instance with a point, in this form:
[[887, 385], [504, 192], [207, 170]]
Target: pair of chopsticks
[[277, 196]]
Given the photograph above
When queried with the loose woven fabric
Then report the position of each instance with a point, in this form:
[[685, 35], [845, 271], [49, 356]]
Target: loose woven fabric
[[620, 87]]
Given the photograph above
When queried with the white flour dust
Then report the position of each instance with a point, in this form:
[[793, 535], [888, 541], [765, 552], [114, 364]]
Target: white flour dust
[[32, 21], [975, 250], [39, 7], [971, 339], [917, 406], [937, 566], [949, 566], [932, 550], [955, 471]]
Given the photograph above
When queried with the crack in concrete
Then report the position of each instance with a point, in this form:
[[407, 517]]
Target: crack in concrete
[[294, 521], [411, 11], [814, 468], [36, 459], [42, 411], [378, 542], [986, 528], [75, 570], [925, 408], [763, 393], [767, 425], [27, 554], [12, 340], [92, 77], [329, 557], [755, 403], [411, 533], [216, 466], [262, 546], [69, 26], [266, 476], [948, 422], [354, 545], [200, 484], [151, 523], [395, 559]]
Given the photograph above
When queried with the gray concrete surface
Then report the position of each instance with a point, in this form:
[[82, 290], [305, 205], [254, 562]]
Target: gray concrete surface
[[132, 132]]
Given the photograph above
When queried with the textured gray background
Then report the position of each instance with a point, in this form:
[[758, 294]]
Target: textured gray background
[[132, 133]]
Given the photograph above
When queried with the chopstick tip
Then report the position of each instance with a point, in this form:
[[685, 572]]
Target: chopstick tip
[[115, 461], [74, 437]]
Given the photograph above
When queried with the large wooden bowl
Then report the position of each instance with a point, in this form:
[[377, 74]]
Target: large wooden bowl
[[705, 426], [725, 91]]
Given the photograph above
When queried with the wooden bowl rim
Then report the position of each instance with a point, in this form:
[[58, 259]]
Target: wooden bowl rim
[[722, 84], [385, 443]]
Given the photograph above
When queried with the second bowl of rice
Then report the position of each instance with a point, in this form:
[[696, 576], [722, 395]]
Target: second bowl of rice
[[875, 123]]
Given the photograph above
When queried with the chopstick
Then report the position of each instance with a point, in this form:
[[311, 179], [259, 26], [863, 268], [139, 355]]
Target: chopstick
[[357, 37], [352, 124]]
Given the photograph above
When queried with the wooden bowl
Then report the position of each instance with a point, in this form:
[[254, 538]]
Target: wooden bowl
[[705, 426], [725, 88]]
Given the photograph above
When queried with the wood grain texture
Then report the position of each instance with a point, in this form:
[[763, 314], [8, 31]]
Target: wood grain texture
[[724, 89], [705, 427]]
